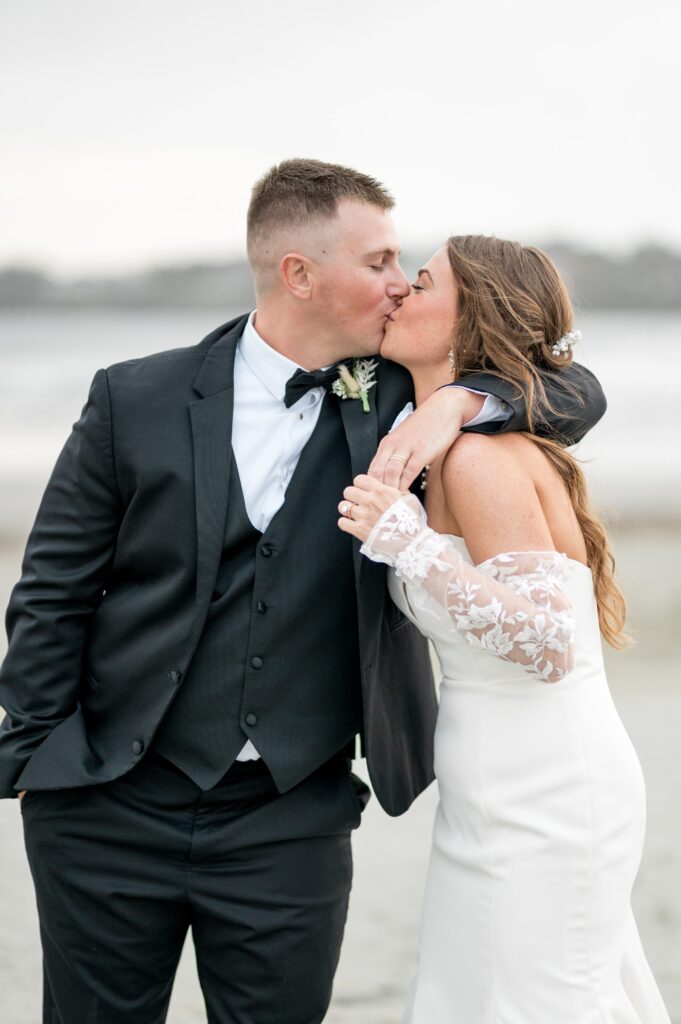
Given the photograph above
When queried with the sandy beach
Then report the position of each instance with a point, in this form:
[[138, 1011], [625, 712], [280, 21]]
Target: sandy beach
[[629, 470], [380, 947]]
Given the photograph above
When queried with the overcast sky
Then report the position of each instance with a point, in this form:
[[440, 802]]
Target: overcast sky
[[132, 130]]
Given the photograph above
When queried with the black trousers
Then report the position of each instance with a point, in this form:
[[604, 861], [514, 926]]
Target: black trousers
[[123, 870]]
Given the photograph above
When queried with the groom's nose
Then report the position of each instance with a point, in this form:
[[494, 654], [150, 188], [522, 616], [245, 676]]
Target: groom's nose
[[399, 286]]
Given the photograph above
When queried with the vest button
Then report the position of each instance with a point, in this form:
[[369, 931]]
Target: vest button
[[251, 719], [176, 676], [265, 550], [137, 747], [257, 662], [262, 607]]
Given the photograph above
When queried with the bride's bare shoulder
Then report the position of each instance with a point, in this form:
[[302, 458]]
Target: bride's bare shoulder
[[489, 485], [484, 456]]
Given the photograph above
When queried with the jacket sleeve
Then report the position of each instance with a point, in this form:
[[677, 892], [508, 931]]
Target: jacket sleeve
[[574, 393], [65, 567]]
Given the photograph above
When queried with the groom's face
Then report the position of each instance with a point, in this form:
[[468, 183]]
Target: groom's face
[[358, 280]]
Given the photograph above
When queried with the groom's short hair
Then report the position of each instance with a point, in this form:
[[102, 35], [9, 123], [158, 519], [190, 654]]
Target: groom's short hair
[[297, 192]]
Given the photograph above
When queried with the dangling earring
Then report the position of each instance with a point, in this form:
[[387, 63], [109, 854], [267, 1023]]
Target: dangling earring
[[451, 362]]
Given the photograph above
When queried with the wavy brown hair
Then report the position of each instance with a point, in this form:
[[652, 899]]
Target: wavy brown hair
[[512, 308]]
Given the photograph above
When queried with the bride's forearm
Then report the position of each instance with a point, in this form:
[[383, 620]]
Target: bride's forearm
[[515, 605]]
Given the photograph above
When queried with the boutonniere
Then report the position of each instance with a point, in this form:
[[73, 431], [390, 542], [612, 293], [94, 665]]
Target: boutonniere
[[358, 383]]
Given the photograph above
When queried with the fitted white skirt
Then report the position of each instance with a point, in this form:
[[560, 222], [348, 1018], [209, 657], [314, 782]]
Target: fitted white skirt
[[536, 844]]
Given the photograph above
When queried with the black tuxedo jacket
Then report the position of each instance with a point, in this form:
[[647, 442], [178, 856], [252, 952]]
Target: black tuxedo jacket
[[119, 567]]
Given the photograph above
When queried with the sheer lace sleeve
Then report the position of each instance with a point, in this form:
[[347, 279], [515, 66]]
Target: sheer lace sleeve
[[514, 605]]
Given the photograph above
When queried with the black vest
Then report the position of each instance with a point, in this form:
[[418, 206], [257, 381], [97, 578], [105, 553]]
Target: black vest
[[264, 668]]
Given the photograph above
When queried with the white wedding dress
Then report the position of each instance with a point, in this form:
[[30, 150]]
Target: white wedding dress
[[540, 825]]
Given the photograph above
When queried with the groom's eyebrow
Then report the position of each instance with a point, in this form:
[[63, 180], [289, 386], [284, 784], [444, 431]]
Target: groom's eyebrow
[[382, 252]]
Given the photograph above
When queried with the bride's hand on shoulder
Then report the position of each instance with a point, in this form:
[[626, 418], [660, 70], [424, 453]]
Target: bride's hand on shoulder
[[424, 436], [363, 504]]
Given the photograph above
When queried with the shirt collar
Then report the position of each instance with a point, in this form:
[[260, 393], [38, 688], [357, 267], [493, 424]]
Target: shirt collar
[[270, 367]]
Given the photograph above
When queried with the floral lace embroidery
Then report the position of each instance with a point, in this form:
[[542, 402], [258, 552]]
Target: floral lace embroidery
[[514, 605]]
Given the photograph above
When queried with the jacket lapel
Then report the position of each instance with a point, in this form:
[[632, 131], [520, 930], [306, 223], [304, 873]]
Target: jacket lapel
[[211, 420], [361, 434]]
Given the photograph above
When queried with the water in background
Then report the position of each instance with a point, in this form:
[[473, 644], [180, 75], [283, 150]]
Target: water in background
[[48, 359]]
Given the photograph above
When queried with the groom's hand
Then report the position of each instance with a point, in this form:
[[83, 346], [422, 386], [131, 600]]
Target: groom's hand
[[427, 433]]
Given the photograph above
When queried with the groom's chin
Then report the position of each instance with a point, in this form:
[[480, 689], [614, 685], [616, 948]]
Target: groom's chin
[[369, 349]]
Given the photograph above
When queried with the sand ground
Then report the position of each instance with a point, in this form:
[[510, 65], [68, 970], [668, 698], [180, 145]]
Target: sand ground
[[391, 854]]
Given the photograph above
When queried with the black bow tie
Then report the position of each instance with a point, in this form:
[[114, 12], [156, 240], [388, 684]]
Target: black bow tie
[[303, 381]]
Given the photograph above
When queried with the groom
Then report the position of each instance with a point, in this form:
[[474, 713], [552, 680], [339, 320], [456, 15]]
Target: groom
[[194, 645]]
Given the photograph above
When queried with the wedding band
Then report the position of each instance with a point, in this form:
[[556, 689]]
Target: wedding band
[[398, 458], [345, 509]]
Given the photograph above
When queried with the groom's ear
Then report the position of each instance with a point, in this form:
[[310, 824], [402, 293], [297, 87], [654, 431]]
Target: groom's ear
[[295, 272]]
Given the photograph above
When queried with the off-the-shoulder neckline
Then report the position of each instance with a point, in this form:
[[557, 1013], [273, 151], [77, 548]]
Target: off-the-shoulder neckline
[[477, 565]]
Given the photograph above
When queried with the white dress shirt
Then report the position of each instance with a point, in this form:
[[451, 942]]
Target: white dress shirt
[[268, 438]]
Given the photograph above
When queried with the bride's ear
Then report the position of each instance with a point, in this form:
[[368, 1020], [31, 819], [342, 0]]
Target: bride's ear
[[295, 274]]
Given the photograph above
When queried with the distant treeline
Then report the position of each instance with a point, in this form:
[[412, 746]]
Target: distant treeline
[[648, 278]]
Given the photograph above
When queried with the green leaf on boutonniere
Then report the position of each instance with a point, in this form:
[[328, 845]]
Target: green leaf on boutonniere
[[357, 384]]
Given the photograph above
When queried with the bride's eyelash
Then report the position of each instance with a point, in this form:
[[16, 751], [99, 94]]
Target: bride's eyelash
[[418, 288]]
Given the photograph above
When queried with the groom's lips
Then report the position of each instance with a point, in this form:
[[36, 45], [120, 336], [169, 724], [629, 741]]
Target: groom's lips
[[389, 316]]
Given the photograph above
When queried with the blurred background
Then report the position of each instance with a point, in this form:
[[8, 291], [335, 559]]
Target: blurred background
[[131, 135]]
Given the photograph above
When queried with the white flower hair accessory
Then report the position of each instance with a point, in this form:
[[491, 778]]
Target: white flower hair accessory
[[357, 384], [565, 344]]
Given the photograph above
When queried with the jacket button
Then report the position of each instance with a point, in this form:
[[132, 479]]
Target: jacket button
[[137, 747], [251, 719], [262, 607], [265, 550], [257, 662], [176, 676]]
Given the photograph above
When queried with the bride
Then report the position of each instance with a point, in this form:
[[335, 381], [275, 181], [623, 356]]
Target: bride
[[540, 825]]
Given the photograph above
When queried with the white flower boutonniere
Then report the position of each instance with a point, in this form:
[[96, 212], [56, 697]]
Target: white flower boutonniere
[[357, 384]]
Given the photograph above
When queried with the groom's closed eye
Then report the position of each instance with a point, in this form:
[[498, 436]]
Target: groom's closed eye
[[379, 264], [378, 260]]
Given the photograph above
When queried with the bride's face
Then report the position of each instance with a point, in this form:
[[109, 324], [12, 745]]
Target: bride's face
[[419, 332]]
